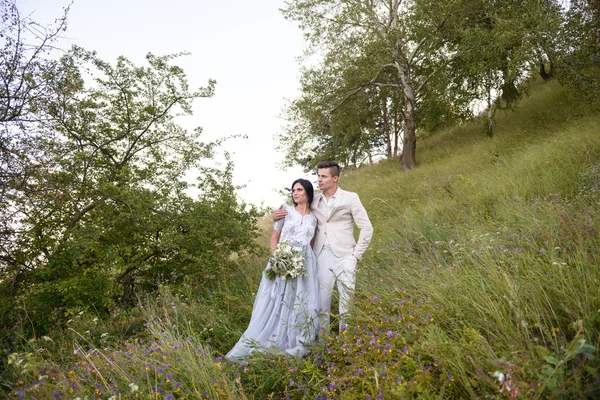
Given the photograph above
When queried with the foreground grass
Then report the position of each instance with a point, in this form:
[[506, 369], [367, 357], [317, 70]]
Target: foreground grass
[[481, 282]]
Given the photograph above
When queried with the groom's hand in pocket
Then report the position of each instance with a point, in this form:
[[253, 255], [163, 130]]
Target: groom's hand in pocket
[[356, 260]]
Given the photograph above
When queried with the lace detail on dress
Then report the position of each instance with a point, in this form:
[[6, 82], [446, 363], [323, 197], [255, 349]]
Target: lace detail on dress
[[295, 227]]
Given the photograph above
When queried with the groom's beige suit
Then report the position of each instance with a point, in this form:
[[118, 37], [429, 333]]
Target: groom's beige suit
[[336, 249]]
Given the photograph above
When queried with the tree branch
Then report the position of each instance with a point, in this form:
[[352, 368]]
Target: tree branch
[[370, 83]]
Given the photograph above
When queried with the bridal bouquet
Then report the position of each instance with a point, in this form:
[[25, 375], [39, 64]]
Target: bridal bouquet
[[286, 262]]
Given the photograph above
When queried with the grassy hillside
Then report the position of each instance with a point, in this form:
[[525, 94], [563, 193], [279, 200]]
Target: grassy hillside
[[500, 237], [481, 282]]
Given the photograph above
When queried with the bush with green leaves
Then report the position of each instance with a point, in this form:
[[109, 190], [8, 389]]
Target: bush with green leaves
[[105, 209]]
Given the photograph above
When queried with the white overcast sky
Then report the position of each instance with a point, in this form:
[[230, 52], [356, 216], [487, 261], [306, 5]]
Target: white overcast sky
[[247, 46]]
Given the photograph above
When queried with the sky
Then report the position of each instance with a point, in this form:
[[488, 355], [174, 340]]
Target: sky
[[246, 46]]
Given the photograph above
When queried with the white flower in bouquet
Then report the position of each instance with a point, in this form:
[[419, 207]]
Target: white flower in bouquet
[[287, 262]]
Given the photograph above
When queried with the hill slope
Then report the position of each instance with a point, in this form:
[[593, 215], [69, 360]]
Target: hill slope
[[500, 238], [481, 282]]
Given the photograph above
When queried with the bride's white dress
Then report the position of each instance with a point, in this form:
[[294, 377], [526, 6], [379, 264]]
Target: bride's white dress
[[284, 317]]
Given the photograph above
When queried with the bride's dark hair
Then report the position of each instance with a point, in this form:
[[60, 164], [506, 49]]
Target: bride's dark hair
[[308, 187]]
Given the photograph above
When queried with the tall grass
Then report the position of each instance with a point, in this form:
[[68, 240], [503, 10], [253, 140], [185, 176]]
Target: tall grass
[[481, 282], [502, 237]]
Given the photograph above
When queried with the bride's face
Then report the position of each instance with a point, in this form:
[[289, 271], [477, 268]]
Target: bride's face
[[299, 194]]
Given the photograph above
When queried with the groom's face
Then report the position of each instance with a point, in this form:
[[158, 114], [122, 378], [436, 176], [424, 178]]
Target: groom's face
[[325, 179]]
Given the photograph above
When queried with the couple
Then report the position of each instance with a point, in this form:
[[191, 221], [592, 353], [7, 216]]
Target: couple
[[289, 313]]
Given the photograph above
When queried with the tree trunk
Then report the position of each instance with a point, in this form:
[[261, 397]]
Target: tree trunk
[[396, 135], [409, 144], [490, 114], [128, 295], [490, 122], [386, 129], [546, 75]]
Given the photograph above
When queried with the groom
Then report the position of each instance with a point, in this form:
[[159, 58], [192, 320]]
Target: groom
[[337, 212]]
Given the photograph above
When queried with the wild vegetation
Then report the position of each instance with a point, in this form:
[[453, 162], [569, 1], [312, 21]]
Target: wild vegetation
[[94, 202], [481, 282], [482, 277]]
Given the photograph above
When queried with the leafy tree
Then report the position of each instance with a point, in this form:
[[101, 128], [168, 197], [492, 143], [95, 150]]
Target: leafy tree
[[104, 208], [435, 58], [578, 51], [403, 43], [356, 121], [499, 47], [323, 125], [26, 71], [26, 67]]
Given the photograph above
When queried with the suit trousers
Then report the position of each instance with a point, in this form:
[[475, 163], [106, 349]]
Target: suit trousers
[[335, 271]]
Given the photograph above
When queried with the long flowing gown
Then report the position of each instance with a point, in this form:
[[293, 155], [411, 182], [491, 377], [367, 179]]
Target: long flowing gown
[[284, 317]]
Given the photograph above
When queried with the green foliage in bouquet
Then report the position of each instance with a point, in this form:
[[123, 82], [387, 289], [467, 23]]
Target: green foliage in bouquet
[[287, 262]]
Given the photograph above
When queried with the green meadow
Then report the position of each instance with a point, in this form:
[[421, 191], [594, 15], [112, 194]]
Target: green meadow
[[482, 281]]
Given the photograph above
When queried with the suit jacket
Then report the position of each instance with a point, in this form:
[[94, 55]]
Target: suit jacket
[[339, 227]]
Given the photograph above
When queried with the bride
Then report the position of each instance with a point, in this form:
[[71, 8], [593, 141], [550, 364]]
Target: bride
[[284, 317]]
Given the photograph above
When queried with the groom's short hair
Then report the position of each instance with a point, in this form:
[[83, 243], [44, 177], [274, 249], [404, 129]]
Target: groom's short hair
[[333, 166]]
